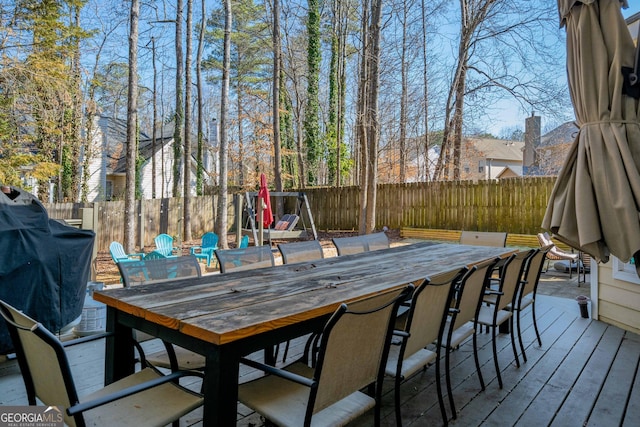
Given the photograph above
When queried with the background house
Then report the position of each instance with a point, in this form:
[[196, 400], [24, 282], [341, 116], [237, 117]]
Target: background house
[[488, 158], [107, 161]]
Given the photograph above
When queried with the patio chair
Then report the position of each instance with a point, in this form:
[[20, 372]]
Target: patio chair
[[164, 245], [119, 255], [357, 244], [459, 326], [528, 290], [156, 271], [557, 254], [244, 242], [208, 244], [244, 258], [145, 398], [353, 350], [425, 320], [309, 250], [484, 238], [152, 270], [154, 255], [499, 303]]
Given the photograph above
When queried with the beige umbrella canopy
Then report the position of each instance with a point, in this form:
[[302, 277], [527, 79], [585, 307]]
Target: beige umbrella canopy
[[595, 204]]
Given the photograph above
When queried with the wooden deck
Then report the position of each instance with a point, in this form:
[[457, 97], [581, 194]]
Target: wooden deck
[[585, 373]]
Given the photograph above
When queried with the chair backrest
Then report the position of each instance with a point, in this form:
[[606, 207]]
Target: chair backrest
[[164, 244], [157, 270], [43, 361], [428, 312], [532, 271], [244, 258], [154, 255], [357, 244], [244, 242], [470, 291], [309, 250], [511, 278], [209, 241], [354, 348], [483, 238], [117, 252]]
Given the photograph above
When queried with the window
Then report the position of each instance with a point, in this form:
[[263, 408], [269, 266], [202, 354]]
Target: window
[[481, 169], [108, 191], [625, 271]]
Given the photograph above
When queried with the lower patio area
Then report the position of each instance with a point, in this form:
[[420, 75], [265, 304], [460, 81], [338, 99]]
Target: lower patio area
[[585, 373]]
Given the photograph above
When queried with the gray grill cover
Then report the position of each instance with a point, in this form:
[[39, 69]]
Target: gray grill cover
[[45, 264]]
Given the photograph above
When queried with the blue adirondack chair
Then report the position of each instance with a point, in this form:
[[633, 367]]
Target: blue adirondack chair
[[206, 248], [244, 242], [119, 255], [164, 245]]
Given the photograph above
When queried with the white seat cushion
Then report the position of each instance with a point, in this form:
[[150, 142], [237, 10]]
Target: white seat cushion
[[284, 402]]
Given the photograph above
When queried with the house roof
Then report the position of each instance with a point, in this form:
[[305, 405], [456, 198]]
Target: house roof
[[499, 148], [563, 134]]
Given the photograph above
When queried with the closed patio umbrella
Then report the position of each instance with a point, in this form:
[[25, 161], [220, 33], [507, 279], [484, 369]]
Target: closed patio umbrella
[[595, 203]]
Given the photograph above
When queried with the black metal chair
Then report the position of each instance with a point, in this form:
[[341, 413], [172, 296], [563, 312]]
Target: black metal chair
[[244, 258], [460, 324], [153, 270], [425, 322], [528, 290], [309, 250], [352, 355], [364, 243], [145, 398], [499, 303], [157, 270]]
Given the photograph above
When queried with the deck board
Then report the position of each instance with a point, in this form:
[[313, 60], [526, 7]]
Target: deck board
[[585, 372]]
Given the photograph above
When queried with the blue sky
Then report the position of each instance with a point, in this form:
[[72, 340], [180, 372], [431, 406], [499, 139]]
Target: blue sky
[[512, 116]]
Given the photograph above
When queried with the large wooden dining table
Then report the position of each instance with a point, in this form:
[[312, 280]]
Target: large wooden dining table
[[228, 316]]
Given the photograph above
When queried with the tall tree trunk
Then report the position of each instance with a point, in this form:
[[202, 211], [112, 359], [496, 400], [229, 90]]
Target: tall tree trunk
[[374, 78], [200, 100], [221, 225], [77, 114], [154, 130], [403, 96], [187, 125], [179, 113], [361, 120], [425, 93], [311, 125], [277, 50], [132, 120]]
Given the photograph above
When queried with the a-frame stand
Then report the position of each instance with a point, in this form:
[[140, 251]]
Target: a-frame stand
[[302, 210]]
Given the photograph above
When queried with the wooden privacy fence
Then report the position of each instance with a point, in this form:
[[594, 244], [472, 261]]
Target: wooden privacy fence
[[515, 205]]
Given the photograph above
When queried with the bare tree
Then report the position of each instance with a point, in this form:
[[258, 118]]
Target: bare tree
[[277, 49], [187, 126], [221, 225], [179, 107], [132, 121]]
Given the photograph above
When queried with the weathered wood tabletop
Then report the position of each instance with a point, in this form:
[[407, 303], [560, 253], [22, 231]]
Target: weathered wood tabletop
[[238, 312]]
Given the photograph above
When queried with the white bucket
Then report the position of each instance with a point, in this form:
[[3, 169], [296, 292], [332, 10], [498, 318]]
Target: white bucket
[[94, 314]]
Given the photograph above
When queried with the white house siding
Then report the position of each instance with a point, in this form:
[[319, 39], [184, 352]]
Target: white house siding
[[617, 301], [97, 173], [162, 168]]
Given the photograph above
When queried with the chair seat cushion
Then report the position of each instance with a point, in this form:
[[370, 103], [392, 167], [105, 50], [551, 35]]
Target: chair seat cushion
[[157, 406], [459, 335], [187, 359], [411, 364], [284, 402], [485, 316]]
